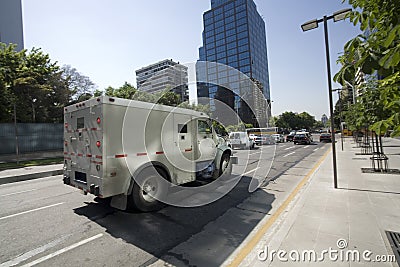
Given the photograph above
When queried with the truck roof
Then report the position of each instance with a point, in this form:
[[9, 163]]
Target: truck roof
[[131, 103]]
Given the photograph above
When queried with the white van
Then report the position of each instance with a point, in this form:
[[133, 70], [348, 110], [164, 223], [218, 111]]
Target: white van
[[241, 140]]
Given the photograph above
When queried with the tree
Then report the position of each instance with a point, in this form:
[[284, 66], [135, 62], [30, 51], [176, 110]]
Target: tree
[[78, 84], [291, 120], [31, 82], [377, 51]]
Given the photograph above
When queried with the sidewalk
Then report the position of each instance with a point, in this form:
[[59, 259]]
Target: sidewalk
[[28, 173], [354, 217], [31, 156]]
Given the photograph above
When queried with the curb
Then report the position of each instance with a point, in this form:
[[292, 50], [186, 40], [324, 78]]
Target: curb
[[31, 176]]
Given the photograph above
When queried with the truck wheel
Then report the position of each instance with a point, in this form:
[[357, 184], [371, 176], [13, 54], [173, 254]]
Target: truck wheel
[[150, 186], [226, 165]]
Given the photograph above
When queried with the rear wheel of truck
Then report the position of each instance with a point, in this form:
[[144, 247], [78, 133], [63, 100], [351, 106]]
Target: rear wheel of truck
[[148, 189]]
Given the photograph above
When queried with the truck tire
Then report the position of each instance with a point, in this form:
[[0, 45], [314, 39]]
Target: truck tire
[[225, 165], [150, 186]]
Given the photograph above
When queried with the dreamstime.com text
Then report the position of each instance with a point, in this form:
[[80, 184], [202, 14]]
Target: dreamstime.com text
[[342, 254]]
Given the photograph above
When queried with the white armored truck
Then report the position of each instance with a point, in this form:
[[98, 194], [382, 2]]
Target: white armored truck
[[135, 151]]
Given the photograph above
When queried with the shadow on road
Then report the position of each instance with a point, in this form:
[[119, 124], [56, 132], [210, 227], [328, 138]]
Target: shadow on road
[[214, 231]]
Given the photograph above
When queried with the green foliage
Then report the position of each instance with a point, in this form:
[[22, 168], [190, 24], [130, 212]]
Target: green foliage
[[376, 51], [31, 82], [291, 120]]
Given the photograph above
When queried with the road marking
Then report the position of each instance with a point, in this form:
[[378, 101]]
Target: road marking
[[28, 211], [316, 149], [52, 255], [290, 147], [17, 193], [33, 252], [288, 154], [242, 254], [255, 153], [306, 146]]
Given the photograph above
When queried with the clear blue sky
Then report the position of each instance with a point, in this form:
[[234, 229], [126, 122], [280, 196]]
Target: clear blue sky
[[108, 40]]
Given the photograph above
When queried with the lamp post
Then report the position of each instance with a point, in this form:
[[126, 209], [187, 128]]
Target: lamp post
[[337, 16]]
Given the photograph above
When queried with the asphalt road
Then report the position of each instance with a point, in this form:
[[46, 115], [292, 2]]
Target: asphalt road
[[45, 223]]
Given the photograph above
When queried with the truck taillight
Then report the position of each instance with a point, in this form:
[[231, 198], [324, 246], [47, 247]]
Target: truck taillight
[[65, 143], [98, 120], [98, 144]]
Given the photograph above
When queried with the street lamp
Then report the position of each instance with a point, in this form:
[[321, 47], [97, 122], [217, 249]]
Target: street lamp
[[337, 16]]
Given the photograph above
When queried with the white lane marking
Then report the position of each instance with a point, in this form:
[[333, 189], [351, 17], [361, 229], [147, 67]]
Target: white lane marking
[[255, 153], [290, 147], [28, 211], [306, 146], [288, 154], [33, 252], [316, 149], [243, 174], [17, 193], [58, 252]]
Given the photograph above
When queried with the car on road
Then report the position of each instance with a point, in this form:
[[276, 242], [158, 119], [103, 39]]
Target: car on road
[[240, 140], [325, 137], [264, 139], [302, 138], [289, 138], [278, 138]]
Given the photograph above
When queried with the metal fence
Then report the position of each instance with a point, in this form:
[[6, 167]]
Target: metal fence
[[32, 137]]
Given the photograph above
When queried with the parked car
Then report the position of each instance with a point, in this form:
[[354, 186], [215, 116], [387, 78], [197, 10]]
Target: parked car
[[289, 138], [240, 140], [325, 137], [278, 138], [302, 138], [265, 139]]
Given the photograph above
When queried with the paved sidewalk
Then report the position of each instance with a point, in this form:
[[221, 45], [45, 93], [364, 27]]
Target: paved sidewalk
[[355, 216], [28, 173]]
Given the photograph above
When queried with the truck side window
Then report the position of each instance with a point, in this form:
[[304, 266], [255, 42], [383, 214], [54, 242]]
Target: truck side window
[[80, 123], [182, 128], [203, 127]]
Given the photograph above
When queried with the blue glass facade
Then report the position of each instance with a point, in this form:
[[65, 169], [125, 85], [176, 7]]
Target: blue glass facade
[[234, 35]]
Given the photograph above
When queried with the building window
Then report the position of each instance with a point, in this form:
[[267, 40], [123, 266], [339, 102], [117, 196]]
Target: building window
[[219, 24], [232, 51], [230, 32], [220, 49], [221, 55], [210, 52], [243, 42], [209, 33], [210, 45], [219, 17], [210, 39], [243, 48], [220, 42], [242, 35], [231, 45], [220, 36], [231, 39], [232, 59], [244, 55], [241, 15], [219, 30], [241, 21], [230, 24], [242, 28]]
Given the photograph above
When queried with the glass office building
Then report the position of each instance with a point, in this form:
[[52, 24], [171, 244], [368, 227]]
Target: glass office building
[[234, 35]]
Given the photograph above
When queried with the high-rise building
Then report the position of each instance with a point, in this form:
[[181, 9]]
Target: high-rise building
[[234, 35], [164, 75], [11, 27]]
